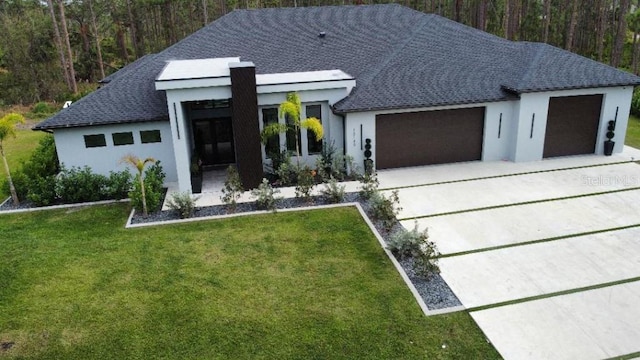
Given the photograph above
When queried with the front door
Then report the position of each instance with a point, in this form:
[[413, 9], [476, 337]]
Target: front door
[[214, 141]]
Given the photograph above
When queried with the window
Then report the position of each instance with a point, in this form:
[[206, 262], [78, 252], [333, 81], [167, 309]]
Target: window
[[122, 138], [314, 146], [97, 140], [150, 136], [291, 137], [270, 116]]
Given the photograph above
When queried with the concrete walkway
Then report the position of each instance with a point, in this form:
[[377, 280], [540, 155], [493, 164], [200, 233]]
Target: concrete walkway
[[546, 255]]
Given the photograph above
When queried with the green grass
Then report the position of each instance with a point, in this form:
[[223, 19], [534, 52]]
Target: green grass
[[633, 132], [18, 150], [75, 284]]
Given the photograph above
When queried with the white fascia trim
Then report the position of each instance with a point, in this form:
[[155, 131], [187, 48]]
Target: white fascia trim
[[318, 85], [193, 83]]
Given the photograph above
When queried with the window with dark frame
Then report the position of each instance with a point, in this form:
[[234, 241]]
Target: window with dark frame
[[95, 140], [150, 136], [270, 116], [122, 138], [314, 146]]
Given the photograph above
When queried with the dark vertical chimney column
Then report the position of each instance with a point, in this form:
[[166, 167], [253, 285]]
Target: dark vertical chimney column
[[246, 130]]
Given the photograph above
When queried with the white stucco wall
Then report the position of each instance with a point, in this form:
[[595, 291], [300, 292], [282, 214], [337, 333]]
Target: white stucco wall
[[529, 146], [73, 152], [498, 130]]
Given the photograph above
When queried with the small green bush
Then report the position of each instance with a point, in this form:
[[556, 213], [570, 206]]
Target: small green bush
[[80, 185], [35, 179], [41, 110], [305, 183], [369, 185], [183, 203], [265, 196], [233, 188], [416, 245], [385, 209], [42, 190], [324, 162], [333, 191], [285, 171], [119, 185], [20, 182]]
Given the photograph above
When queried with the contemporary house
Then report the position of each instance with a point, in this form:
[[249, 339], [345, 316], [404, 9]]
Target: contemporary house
[[420, 89]]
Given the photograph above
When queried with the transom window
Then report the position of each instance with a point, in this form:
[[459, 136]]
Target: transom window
[[150, 136], [95, 140], [122, 138]]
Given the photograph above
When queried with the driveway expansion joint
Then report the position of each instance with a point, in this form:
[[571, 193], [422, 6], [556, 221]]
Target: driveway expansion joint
[[520, 203], [505, 175], [554, 294]]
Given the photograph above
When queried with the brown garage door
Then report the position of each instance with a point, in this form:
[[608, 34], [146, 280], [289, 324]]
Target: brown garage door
[[572, 125], [429, 137]]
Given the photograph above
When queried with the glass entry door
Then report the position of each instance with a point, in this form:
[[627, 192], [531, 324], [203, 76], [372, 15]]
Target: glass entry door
[[214, 141]]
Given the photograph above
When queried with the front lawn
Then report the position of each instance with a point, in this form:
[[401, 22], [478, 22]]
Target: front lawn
[[75, 284], [633, 132]]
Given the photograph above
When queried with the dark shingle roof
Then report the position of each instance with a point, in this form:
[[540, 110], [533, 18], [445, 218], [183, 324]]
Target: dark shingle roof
[[400, 58]]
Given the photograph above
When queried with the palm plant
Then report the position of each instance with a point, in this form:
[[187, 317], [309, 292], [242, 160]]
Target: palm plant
[[139, 165], [291, 109], [8, 128]]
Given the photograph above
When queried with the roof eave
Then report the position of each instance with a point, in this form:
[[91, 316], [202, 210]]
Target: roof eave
[[115, 122], [421, 106], [565, 88]]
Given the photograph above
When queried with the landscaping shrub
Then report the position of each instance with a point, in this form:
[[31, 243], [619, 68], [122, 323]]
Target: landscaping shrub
[[416, 245], [183, 203], [233, 188], [20, 182], [35, 179], [265, 196], [118, 185], [324, 162], [80, 185], [42, 190], [153, 186], [305, 183], [284, 169], [333, 192], [385, 209], [369, 185], [332, 164]]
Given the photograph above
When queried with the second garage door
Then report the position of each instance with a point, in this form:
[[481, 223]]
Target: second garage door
[[429, 137], [572, 125]]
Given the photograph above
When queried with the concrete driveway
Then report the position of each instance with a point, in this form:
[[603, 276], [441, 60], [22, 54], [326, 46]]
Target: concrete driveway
[[544, 255]]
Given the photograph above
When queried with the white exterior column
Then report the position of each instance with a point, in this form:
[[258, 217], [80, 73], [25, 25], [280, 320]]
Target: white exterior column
[[180, 134]]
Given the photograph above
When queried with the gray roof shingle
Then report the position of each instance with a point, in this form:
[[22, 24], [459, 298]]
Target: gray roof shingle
[[400, 58]]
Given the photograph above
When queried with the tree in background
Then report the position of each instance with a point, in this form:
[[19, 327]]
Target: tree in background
[[8, 128], [45, 42]]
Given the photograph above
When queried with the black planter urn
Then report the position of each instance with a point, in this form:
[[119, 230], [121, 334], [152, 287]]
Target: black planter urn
[[608, 147]]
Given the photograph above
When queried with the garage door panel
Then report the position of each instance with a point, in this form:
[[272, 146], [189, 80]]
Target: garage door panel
[[429, 137], [572, 125]]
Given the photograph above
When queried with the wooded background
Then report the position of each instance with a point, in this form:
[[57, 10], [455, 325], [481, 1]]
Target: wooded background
[[59, 49]]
